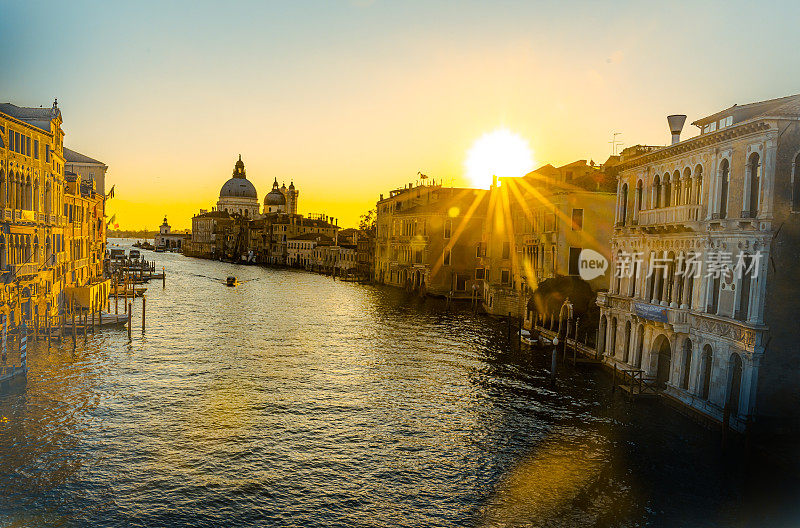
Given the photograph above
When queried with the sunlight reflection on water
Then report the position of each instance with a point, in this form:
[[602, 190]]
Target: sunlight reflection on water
[[294, 400]]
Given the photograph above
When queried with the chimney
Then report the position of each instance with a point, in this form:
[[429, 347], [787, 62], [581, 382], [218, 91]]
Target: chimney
[[676, 122]]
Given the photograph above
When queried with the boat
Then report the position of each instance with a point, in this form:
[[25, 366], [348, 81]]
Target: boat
[[526, 337], [231, 281], [102, 320], [121, 291], [134, 254]]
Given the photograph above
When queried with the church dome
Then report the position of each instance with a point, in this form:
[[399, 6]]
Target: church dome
[[238, 188], [275, 196]]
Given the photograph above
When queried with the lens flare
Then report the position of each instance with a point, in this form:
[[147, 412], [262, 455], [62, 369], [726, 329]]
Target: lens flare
[[500, 153]]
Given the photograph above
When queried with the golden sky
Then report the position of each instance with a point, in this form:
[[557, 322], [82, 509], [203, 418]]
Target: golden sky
[[351, 99]]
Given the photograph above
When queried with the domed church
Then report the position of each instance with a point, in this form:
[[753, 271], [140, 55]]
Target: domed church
[[281, 199], [238, 194]]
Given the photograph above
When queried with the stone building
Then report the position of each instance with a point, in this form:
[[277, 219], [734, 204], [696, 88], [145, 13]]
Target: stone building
[[427, 237], [87, 169], [706, 245], [52, 225], [166, 239], [206, 226], [300, 249], [537, 227]]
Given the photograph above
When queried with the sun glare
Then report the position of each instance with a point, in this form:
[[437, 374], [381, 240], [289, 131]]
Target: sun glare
[[500, 153]]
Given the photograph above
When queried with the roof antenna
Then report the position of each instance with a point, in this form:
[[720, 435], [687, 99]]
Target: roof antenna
[[615, 142]]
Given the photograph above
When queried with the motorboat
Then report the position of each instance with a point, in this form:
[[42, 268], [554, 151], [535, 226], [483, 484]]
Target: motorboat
[[231, 281]]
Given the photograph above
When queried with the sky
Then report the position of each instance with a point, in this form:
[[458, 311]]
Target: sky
[[350, 99]]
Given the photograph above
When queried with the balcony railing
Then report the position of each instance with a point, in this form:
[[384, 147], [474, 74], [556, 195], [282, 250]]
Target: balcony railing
[[680, 214], [25, 269]]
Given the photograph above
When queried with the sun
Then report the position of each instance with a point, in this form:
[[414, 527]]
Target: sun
[[500, 153]]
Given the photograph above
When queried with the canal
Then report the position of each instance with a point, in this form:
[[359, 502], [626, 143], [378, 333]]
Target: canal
[[296, 400]]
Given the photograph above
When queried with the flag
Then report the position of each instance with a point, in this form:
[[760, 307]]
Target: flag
[[111, 192]]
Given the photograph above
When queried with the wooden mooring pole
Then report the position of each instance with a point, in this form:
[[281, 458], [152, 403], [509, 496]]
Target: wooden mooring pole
[[144, 311], [130, 311], [554, 362]]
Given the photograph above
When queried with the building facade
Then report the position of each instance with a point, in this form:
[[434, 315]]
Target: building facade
[[166, 239], [427, 237], [52, 225], [705, 245], [536, 229], [87, 169]]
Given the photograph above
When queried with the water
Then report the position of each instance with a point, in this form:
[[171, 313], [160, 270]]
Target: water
[[294, 400]]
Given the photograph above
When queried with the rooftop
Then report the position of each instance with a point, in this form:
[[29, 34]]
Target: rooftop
[[38, 117], [70, 156]]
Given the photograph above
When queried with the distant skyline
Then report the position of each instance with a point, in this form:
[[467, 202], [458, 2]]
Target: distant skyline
[[351, 99]]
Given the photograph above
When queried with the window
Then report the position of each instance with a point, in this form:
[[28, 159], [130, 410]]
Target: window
[[577, 219], [448, 226], [754, 169], [705, 381], [723, 199], [574, 260], [687, 363], [461, 282], [480, 273], [478, 251], [657, 192], [506, 250], [446, 257], [639, 196], [505, 277], [36, 148]]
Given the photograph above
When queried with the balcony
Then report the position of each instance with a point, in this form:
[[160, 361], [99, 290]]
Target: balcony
[[24, 269], [24, 216], [680, 217]]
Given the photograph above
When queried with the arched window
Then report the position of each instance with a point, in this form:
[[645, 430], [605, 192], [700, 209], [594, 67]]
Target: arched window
[[746, 273], [687, 363], [754, 171], [667, 193], [627, 345], [639, 346], [724, 176], [601, 334], [676, 182], [612, 339], [698, 185], [28, 194], [705, 378], [624, 205], [687, 186], [656, 192], [3, 184], [617, 276], [639, 196], [735, 386]]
